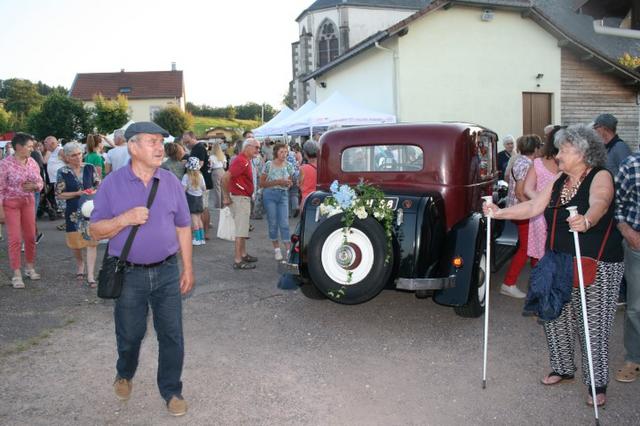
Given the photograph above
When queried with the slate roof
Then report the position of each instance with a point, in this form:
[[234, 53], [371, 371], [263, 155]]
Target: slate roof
[[580, 27], [556, 16], [395, 4], [135, 85]]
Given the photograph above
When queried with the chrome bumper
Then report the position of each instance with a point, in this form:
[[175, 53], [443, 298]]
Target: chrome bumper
[[413, 284], [288, 268]]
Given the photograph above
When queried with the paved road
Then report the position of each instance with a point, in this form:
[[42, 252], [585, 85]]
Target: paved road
[[259, 355]]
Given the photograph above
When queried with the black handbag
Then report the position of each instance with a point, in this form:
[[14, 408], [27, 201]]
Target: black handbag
[[111, 275]]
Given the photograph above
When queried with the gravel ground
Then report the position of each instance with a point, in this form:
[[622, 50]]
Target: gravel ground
[[259, 355]]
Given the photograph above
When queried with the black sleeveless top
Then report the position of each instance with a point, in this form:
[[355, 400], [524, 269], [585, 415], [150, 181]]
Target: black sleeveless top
[[591, 240]]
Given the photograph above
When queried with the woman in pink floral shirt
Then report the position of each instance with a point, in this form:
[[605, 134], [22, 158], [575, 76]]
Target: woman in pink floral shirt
[[528, 146], [19, 180]]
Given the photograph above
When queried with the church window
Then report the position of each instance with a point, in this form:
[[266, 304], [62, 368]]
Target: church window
[[327, 43]]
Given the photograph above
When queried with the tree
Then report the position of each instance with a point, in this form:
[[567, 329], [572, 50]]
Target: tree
[[174, 120], [287, 99], [110, 114], [230, 112], [5, 120], [62, 117], [22, 97]]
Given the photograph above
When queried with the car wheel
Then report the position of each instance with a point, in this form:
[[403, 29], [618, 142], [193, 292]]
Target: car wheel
[[331, 261], [311, 292], [476, 302]]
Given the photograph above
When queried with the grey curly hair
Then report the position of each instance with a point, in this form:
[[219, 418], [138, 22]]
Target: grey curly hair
[[71, 148], [586, 141]]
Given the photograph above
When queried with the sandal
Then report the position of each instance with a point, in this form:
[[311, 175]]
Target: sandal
[[628, 373], [32, 274], [243, 265], [601, 400], [79, 276], [249, 258], [92, 284], [17, 282], [554, 378]]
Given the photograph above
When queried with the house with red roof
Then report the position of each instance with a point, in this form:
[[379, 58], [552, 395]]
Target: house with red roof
[[147, 91]]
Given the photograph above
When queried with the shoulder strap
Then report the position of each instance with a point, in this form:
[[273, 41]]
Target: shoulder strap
[[134, 230], [553, 224], [604, 240]]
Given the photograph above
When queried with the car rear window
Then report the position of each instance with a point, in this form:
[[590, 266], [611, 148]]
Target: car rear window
[[382, 158]]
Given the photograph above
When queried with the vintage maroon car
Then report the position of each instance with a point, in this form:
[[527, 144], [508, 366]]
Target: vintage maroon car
[[433, 176]]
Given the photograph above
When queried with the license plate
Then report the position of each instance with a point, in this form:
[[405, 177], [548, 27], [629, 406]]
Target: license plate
[[389, 202]]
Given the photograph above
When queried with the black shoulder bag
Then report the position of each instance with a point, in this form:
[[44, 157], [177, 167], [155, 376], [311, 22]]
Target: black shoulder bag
[[111, 275]]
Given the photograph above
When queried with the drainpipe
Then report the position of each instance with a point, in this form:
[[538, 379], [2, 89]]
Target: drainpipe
[[396, 95], [600, 28]]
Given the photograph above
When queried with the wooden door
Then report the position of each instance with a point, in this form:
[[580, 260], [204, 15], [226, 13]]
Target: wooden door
[[536, 113]]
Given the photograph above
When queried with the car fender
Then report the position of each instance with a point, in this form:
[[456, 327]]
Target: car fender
[[459, 244]]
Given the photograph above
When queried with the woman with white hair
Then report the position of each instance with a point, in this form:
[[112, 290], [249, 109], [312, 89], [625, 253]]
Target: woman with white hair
[[503, 156], [585, 183], [75, 182]]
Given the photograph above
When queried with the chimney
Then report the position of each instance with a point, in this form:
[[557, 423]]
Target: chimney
[[121, 69], [173, 66]]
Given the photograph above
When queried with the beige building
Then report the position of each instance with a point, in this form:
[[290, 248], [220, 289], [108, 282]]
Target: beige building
[[225, 133], [513, 66], [147, 92]]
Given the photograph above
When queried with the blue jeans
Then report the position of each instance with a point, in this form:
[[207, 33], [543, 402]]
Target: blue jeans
[[276, 204], [159, 287], [294, 198]]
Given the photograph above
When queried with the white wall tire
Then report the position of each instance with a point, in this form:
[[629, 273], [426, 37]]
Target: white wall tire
[[329, 261]]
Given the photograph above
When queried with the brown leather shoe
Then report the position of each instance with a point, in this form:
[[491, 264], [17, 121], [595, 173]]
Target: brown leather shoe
[[122, 388], [177, 406]]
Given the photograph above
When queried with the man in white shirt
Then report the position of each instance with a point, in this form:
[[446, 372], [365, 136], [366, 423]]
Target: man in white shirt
[[54, 160], [119, 156], [53, 157]]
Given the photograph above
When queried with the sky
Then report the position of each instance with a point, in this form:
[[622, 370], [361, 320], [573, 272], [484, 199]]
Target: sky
[[231, 52]]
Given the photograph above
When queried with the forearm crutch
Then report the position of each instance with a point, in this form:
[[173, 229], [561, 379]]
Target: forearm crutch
[[573, 210]]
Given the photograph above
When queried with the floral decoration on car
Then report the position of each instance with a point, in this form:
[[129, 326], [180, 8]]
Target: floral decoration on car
[[358, 202]]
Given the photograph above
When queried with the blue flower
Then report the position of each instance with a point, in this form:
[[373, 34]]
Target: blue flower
[[334, 186], [344, 196]]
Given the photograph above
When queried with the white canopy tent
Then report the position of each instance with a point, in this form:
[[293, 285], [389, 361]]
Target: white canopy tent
[[264, 130], [130, 122], [294, 119], [338, 110]]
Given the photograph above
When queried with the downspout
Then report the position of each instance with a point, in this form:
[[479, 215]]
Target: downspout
[[396, 95]]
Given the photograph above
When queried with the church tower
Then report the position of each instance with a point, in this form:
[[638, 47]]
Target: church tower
[[328, 29]]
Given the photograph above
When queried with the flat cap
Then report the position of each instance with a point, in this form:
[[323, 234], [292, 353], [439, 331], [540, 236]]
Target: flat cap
[[144, 127], [606, 120]]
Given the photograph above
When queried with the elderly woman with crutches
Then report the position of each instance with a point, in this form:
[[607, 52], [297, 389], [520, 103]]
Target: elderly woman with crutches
[[587, 185]]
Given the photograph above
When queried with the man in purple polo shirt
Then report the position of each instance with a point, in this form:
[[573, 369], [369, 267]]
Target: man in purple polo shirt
[[152, 276]]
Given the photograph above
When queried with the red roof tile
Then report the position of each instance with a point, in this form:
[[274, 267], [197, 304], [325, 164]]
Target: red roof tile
[[135, 85]]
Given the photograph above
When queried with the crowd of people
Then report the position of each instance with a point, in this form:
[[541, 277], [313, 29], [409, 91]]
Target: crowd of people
[[171, 188], [588, 167]]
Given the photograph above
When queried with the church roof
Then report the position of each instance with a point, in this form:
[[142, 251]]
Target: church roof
[[392, 4]]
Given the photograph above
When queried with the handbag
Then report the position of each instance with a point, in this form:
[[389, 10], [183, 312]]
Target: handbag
[[111, 275], [589, 264], [226, 225]]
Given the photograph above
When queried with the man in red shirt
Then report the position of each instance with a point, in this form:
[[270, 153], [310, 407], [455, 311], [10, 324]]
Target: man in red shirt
[[237, 188]]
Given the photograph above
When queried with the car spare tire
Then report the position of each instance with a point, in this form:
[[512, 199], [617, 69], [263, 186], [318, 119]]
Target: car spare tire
[[330, 260]]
